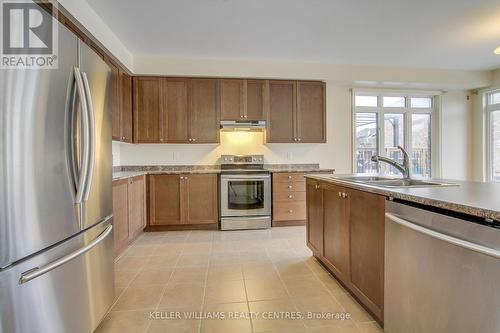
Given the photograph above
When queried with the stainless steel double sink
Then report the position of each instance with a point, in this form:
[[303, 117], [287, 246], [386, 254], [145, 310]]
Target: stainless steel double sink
[[393, 182]]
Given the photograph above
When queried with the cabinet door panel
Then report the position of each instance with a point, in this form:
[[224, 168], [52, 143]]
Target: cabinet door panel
[[136, 205], [232, 99], [165, 200], [314, 213], [115, 104], [175, 99], [336, 233], [281, 127], [204, 111], [120, 215], [311, 115], [126, 107], [147, 116], [255, 99], [367, 244], [201, 199]]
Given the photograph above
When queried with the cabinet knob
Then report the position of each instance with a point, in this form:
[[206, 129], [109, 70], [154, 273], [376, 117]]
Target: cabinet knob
[[194, 140], [317, 186], [340, 194], [290, 196], [290, 211], [123, 138], [289, 177], [161, 140], [299, 139], [241, 116], [290, 186], [245, 116], [344, 195]]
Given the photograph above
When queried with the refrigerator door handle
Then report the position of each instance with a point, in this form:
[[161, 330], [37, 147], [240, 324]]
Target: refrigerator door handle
[[85, 138], [91, 118], [38, 271]]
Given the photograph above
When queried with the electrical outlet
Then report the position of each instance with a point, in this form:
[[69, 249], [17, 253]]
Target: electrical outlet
[[289, 155]]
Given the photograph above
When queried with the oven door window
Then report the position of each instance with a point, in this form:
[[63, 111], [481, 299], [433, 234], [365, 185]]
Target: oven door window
[[245, 194]]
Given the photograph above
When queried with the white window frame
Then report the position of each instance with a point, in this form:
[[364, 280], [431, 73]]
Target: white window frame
[[407, 112], [489, 109]]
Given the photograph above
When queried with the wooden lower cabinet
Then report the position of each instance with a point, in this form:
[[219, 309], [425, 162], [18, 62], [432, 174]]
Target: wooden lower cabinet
[[128, 211], [289, 199], [314, 230], [345, 231], [183, 202]]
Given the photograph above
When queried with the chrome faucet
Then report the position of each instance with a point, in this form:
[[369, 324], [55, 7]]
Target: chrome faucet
[[403, 168]]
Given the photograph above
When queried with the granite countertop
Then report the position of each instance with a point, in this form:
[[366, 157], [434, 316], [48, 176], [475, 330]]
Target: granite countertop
[[472, 198], [132, 171]]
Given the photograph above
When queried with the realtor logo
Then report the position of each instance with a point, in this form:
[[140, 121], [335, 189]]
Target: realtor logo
[[29, 35]]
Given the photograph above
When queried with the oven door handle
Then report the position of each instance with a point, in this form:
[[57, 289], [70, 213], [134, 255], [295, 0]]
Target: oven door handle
[[244, 177]]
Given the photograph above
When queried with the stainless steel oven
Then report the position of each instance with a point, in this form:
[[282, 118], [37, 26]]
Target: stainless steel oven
[[245, 194]]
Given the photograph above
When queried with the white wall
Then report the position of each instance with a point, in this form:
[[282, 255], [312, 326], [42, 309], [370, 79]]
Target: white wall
[[456, 135], [337, 152]]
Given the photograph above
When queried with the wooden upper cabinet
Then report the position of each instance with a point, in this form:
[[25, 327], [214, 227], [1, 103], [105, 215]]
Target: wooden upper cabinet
[[126, 107], [175, 108], [336, 230], [165, 200], [201, 198], [147, 114], [255, 99], [311, 112], [136, 205], [314, 230], [233, 104], [115, 102], [120, 215], [281, 113], [204, 111], [366, 221]]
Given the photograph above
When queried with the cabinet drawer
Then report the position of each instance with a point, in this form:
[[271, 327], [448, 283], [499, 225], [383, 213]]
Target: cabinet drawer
[[288, 177], [289, 211], [289, 196], [289, 187]]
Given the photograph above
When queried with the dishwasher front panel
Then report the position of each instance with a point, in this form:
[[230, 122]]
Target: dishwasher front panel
[[442, 274]]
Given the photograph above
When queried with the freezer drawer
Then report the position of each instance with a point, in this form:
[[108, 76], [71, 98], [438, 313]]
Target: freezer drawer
[[72, 297], [441, 273]]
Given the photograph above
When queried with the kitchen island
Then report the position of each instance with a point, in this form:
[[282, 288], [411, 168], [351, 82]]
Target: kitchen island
[[346, 225]]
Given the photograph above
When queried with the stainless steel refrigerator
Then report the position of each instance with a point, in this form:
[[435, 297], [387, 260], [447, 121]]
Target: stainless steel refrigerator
[[56, 239]]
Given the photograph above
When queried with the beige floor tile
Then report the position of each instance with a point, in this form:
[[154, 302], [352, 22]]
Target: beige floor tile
[[193, 260], [259, 271], [141, 250], [130, 263], [225, 273], [331, 284], [236, 319], [124, 322], [148, 277], [189, 275], [118, 292], [225, 292], [313, 309], [226, 258], [304, 286], [139, 298], [156, 262], [124, 277], [370, 327], [265, 289], [183, 295], [174, 326], [358, 314], [346, 326], [197, 248], [168, 249], [272, 316], [290, 268]]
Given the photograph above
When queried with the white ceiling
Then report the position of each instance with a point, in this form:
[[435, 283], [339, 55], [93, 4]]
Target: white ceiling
[[454, 34]]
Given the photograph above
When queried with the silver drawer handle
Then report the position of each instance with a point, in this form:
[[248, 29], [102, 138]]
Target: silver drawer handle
[[450, 239], [36, 272]]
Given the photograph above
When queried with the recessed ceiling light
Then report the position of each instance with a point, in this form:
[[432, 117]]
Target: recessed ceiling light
[[497, 50]]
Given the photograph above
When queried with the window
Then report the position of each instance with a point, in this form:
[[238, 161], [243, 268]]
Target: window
[[493, 116], [385, 121]]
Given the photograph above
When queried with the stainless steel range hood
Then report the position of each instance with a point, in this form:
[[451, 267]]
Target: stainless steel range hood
[[243, 125]]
